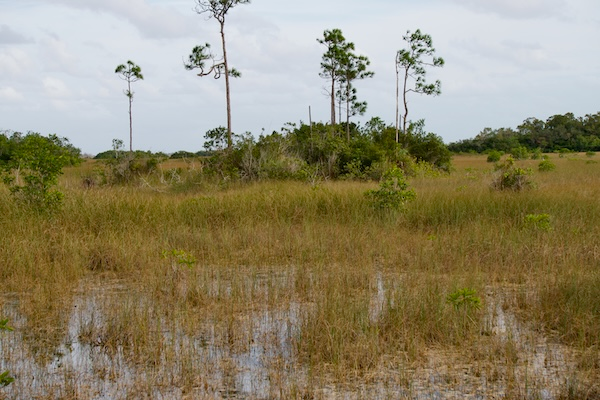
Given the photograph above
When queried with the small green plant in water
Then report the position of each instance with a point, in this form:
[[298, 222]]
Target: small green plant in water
[[465, 301], [465, 298], [5, 378], [393, 191], [538, 221], [180, 257]]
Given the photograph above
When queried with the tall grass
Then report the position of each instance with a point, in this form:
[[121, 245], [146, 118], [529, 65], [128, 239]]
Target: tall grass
[[371, 285]]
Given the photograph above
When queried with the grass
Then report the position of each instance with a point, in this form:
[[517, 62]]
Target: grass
[[330, 290]]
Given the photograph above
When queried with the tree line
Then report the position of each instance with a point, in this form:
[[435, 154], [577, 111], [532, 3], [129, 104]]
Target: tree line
[[561, 132]]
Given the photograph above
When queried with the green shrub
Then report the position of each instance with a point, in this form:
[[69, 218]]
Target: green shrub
[[538, 221], [494, 156], [126, 167], [33, 169], [393, 191], [519, 153], [546, 165], [536, 154], [590, 153], [511, 177]]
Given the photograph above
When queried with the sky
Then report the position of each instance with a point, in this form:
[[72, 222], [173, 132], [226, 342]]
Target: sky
[[505, 61]]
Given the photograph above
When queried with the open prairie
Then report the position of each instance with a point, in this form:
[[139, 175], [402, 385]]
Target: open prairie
[[283, 289]]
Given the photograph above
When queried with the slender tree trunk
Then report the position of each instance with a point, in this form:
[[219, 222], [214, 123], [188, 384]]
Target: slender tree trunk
[[348, 111], [227, 95], [333, 99], [397, 102], [130, 96], [405, 109]]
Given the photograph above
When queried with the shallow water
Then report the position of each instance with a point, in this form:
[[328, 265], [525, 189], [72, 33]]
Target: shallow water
[[256, 359]]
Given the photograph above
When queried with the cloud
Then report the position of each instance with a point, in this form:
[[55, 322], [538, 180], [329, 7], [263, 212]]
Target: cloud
[[55, 88], [153, 21], [10, 94], [518, 9], [56, 56], [14, 62], [8, 36], [522, 55]]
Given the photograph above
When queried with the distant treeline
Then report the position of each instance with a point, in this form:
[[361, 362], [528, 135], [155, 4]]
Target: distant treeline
[[557, 133], [147, 154]]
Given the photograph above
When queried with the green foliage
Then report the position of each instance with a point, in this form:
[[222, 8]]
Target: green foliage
[[511, 177], [464, 299], [538, 221], [126, 167], [519, 153], [536, 154], [33, 167], [5, 378], [180, 257], [546, 165], [590, 153], [393, 192], [494, 156], [412, 62], [563, 152], [4, 325], [557, 132], [427, 146]]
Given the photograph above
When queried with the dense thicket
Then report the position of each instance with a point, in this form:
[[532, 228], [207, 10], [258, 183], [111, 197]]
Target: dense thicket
[[557, 133], [322, 149], [11, 144]]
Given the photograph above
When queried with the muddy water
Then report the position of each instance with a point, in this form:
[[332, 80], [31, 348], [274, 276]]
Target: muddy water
[[260, 363]]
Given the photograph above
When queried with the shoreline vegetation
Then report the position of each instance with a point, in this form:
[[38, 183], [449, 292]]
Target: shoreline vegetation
[[191, 287]]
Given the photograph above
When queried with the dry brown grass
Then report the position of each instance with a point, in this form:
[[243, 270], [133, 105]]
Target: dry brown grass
[[312, 284]]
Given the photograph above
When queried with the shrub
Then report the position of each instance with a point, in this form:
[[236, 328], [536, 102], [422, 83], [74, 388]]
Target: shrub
[[125, 167], [519, 153], [536, 154], [546, 165], [494, 156], [33, 169], [393, 191], [590, 153], [511, 177], [538, 221]]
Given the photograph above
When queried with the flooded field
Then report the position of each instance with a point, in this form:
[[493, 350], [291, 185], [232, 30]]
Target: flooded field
[[116, 344]]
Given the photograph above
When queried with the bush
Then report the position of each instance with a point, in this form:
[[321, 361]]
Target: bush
[[511, 177], [546, 165], [33, 168], [124, 167], [393, 191], [519, 153], [494, 156]]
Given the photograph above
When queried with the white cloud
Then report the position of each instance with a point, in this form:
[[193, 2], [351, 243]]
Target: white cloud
[[10, 94], [14, 62], [56, 89], [152, 20], [56, 56], [518, 9]]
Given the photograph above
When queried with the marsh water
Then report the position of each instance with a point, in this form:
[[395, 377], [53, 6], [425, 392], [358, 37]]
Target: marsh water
[[252, 356]]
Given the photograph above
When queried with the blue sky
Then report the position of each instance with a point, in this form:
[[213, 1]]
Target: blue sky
[[506, 60]]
